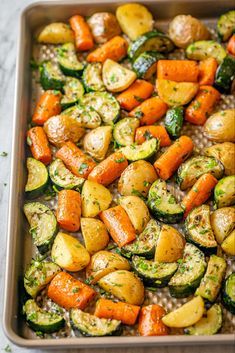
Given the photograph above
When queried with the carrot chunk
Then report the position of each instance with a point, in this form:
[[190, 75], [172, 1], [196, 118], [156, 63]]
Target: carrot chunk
[[135, 94], [144, 133], [115, 49], [178, 70], [150, 111], [83, 36], [39, 145], [47, 106], [231, 45], [150, 323], [68, 212], [207, 70]]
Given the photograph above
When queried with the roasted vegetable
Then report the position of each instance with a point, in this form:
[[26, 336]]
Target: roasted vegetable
[[124, 131], [85, 116], [73, 92], [170, 245], [223, 223], [228, 294], [95, 234], [97, 141], [150, 323], [63, 178], [176, 93], [104, 26], [205, 48], [37, 179], [225, 74], [174, 121], [144, 151], [145, 65], [51, 76], [228, 244], [225, 153], [68, 60], [226, 25], [56, 33], [92, 77], [224, 192], [68, 213]]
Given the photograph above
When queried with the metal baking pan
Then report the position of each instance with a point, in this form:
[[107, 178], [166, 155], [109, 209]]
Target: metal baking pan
[[19, 248]]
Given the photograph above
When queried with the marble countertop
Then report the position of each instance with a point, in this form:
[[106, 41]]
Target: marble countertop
[[9, 15]]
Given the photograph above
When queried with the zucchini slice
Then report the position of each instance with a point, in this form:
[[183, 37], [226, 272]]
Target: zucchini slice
[[225, 74], [143, 151], [211, 282], [37, 178], [204, 49], [105, 104], [226, 25], [190, 271], [86, 116], [38, 275], [91, 325], [224, 192], [43, 225], [228, 293], [42, 320], [163, 204], [145, 65], [150, 41], [68, 60], [199, 230], [146, 242], [73, 91], [208, 325], [174, 121], [92, 78], [116, 77], [63, 178], [193, 168], [51, 76], [156, 274], [124, 131]]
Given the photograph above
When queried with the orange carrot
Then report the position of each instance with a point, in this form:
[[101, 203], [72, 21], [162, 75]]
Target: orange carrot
[[231, 45], [172, 158], [126, 313], [135, 94], [109, 169], [207, 70], [202, 106], [69, 292], [118, 225], [68, 212], [150, 111], [47, 106], [150, 323], [75, 160], [83, 36], [38, 142], [115, 49], [144, 133], [199, 193], [178, 70]]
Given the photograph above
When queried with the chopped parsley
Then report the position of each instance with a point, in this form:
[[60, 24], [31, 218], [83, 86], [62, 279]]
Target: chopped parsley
[[82, 168], [120, 160], [3, 154]]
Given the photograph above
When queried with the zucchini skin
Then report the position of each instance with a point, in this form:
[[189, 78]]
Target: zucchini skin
[[145, 63], [164, 216], [222, 22], [225, 74], [67, 52], [47, 81], [227, 301], [33, 192], [97, 70], [174, 121]]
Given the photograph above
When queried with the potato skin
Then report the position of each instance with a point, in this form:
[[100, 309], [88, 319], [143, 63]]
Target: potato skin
[[104, 26], [170, 245], [224, 152], [137, 179], [56, 33], [185, 29], [220, 126], [223, 222], [95, 234], [96, 142]]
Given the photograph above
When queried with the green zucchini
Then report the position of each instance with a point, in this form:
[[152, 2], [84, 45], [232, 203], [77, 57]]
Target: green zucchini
[[225, 74], [155, 274], [150, 41], [38, 275], [224, 192], [209, 324], [174, 121], [63, 178], [145, 65], [226, 25], [204, 49], [91, 325], [37, 178], [228, 293], [194, 167], [190, 271], [105, 104], [124, 131], [199, 230], [146, 242], [144, 151], [163, 204], [43, 225], [211, 282], [92, 77], [73, 92], [86, 116], [51, 76], [68, 60], [42, 320]]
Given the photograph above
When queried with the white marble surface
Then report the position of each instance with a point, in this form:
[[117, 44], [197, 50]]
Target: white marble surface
[[9, 14]]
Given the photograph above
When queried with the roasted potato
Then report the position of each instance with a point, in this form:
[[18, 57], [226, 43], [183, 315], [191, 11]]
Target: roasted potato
[[225, 153], [170, 245], [69, 253], [124, 285], [228, 244], [137, 179], [95, 198], [223, 222], [96, 142], [176, 93], [95, 234], [104, 26], [137, 211], [220, 127], [185, 29], [56, 33], [104, 262], [61, 128]]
